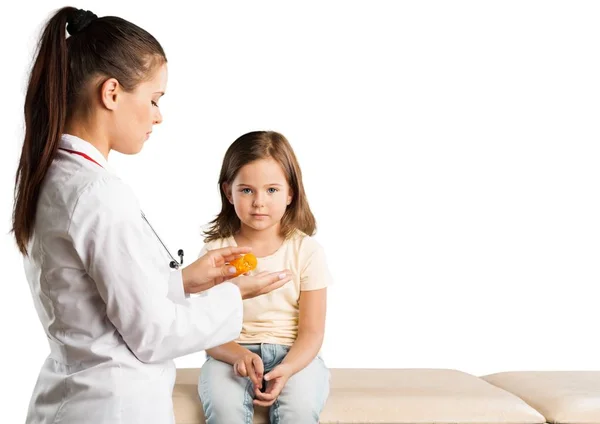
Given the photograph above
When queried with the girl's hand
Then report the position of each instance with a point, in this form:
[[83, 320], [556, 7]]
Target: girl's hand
[[276, 380], [250, 365]]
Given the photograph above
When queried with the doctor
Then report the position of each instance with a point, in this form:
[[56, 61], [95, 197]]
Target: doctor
[[115, 313]]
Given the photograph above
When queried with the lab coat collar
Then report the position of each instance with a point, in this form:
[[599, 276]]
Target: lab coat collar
[[71, 142]]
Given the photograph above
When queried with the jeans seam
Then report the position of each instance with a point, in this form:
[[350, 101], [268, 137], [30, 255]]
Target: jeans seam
[[275, 408], [248, 403]]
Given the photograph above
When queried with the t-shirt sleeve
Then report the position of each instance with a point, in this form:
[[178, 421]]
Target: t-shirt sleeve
[[207, 246], [315, 273]]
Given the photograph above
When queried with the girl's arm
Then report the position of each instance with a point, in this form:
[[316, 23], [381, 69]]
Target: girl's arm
[[245, 363], [228, 352], [311, 330]]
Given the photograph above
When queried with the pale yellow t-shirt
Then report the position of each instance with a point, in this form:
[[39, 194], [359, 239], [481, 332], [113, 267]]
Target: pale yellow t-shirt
[[273, 317]]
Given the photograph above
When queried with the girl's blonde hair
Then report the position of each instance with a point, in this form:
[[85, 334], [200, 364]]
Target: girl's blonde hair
[[249, 148]]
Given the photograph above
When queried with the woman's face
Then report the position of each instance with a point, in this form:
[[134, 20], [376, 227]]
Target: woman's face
[[137, 113]]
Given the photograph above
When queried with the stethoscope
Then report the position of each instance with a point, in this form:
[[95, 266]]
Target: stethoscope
[[174, 263]]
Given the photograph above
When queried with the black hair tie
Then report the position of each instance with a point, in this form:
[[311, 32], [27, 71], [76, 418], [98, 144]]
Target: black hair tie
[[79, 20]]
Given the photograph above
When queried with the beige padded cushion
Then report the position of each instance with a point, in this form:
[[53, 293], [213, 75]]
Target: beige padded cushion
[[561, 396], [391, 396]]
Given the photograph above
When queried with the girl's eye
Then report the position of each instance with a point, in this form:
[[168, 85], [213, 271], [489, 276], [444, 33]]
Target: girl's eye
[[272, 190], [154, 103], [246, 191]]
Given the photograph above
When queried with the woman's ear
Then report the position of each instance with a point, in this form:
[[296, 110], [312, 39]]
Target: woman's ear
[[109, 92], [227, 190]]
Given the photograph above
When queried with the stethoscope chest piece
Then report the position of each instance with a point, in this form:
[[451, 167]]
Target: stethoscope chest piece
[[174, 264]]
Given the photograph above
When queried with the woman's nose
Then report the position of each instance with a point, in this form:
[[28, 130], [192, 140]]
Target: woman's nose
[[157, 117]]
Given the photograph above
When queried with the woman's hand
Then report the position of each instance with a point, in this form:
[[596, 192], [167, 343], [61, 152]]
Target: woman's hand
[[211, 269], [265, 282]]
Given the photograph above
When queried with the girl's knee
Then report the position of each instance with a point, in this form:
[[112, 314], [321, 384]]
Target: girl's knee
[[304, 395], [226, 410], [297, 411], [226, 403], [224, 395]]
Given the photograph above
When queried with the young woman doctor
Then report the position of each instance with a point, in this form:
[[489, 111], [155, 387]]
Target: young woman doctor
[[114, 311]]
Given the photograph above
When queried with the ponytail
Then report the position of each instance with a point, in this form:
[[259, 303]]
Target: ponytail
[[45, 115], [110, 47]]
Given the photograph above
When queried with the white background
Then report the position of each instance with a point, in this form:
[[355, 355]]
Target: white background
[[450, 151]]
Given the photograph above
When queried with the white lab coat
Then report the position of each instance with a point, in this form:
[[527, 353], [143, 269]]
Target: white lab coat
[[113, 310]]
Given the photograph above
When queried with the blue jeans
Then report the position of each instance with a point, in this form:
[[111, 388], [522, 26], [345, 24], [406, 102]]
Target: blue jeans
[[227, 398]]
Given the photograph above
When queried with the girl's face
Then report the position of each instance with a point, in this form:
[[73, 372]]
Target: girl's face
[[260, 194]]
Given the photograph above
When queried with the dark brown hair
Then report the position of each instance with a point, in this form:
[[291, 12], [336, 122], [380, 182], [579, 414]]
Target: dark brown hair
[[249, 148], [97, 48]]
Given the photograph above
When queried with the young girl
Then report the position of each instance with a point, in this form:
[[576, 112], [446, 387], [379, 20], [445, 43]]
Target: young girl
[[264, 206]]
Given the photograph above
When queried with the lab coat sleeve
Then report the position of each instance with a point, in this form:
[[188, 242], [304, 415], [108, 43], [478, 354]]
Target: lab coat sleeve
[[176, 292], [107, 232]]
